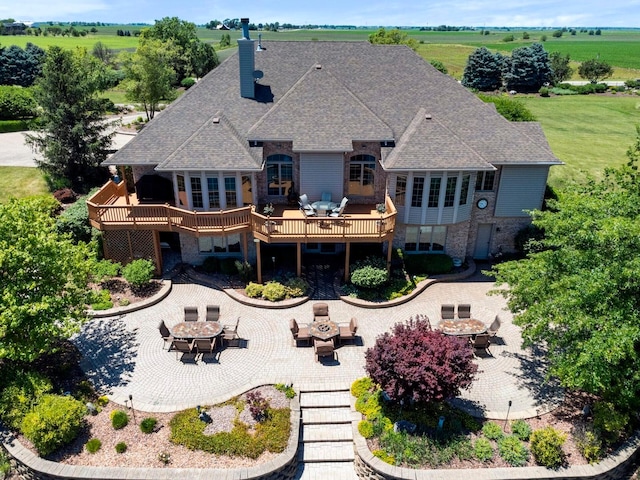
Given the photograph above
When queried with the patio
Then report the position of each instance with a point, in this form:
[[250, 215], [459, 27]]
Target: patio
[[125, 356]]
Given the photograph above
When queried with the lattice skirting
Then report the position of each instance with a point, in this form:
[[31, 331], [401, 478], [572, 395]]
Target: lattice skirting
[[124, 246]]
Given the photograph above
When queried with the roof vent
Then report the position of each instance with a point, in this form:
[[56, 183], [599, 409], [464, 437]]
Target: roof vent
[[215, 120], [260, 47], [318, 66], [427, 116]]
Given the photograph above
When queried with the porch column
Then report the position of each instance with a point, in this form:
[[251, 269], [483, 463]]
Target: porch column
[[245, 247], [298, 259], [347, 253], [389, 247], [258, 259], [126, 188]]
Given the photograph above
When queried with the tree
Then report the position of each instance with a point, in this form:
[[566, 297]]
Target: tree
[[72, 135], [438, 65], [483, 70], [511, 109], [392, 37], [560, 67], [103, 53], [42, 282], [595, 70], [416, 364], [579, 295], [16, 103], [20, 67], [527, 69], [203, 59], [149, 74]]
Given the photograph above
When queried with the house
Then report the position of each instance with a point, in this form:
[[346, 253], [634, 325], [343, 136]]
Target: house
[[374, 123]]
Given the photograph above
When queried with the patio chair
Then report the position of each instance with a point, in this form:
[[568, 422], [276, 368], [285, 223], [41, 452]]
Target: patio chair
[[204, 345], [230, 334], [348, 332], [447, 312], [165, 333], [299, 334], [464, 310], [190, 314], [325, 197], [494, 327], [338, 211], [481, 342], [323, 348], [320, 311], [213, 313], [181, 346], [305, 206]]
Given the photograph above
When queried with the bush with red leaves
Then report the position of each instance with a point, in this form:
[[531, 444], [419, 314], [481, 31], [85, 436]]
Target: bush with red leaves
[[65, 195], [418, 365]]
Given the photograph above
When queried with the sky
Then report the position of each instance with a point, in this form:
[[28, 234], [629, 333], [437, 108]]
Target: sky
[[477, 13]]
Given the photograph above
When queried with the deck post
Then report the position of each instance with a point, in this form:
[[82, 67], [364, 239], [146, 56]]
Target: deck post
[[258, 260], [298, 259], [389, 248], [347, 253]]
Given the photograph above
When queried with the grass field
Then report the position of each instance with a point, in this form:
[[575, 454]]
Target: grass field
[[20, 182], [587, 132]]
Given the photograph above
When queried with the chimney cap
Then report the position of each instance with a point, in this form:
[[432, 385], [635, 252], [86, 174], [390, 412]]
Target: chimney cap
[[244, 20], [427, 116]]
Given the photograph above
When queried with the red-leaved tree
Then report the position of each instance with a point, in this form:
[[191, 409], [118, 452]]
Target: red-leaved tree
[[416, 364]]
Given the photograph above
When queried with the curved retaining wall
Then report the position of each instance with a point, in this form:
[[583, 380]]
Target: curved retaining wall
[[29, 466]]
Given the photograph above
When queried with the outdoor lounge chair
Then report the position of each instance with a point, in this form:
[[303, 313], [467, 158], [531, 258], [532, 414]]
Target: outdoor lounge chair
[[230, 334], [348, 332], [481, 342], [181, 346], [305, 206], [325, 197], [494, 327], [190, 314], [204, 345], [447, 312], [213, 313], [464, 310], [299, 334], [323, 348], [320, 311], [338, 211], [165, 333]]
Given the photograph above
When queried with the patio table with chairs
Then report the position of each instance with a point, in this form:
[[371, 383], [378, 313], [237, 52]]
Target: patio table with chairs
[[465, 327], [193, 330]]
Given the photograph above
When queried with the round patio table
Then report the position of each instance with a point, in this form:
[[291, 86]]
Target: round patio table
[[196, 330], [467, 326], [324, 329], [325, 207]]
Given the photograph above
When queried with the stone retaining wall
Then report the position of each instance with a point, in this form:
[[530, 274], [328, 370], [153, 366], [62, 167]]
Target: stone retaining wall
[[28, 466]]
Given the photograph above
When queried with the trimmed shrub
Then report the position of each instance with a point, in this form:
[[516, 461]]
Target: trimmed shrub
[[54, 422], [20, 394], [360, 386], [428, 263], [521, 429], [102, 401], [369, 277], [8, 126], [483, 450], [16, 103], [104, 269], [544, 91], [188, 82], [589, 445], [492, 431], [513, 451], [254, 290], [93, 445], [119, 419], [365, 428], [121, 447], [546, 446], [382, 455], [139, 272], [148, 425], [274, 291]]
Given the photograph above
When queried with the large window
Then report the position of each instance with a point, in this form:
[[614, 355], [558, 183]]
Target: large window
[[279, 174], [434, 192], [214, 192], [484, 180], [196, 192], [425, 238], [464, 189], [450, 192], [230, 192], [228, 244], [361, 175], [401, 190], [417, 191]]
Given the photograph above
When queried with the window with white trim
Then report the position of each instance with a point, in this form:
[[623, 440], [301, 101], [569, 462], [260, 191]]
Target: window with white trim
[[425, 238], [464, 189], [417, 191], [434, 192], [228, 244], [230, 192], [214, 192], [450, 192], [196, 192]]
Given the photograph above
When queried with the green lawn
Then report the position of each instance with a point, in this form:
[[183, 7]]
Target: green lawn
[[21, 182], [587, 132]]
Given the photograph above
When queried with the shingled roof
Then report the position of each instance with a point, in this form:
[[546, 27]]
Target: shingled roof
[[325, 95]]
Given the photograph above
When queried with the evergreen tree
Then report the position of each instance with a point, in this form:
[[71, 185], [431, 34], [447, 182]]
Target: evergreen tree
[[71, 134], [483, 70], [528, 69], [20, 67]]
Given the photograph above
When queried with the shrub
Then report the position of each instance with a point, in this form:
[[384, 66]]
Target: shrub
[[104, 269], [416, 364], [16, 103], [274, 291], [483, 450], [254, 290], [296, 287], [258, 406], [428, 264], [382, 455], [148, 425], [228, 266], [211, 265], [369, 404], [508, 38], [20, 394], [492, 431], [513, 451], [54, 422], [609, 422], [5, 464], [589, 445], [544, 91], [511, 109], [188, 82], [119, 419], [546, 446], [245, 270], [9, 126], [93, 445], [361, 386], [121, 447], [365, 428], [100, 299], [74, 220], [288, 390], [521, 429], [139, 272], [102, 401], [438, 65], [369, 276]]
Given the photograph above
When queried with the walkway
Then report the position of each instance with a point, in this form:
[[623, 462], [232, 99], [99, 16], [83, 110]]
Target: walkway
[[125, 356]]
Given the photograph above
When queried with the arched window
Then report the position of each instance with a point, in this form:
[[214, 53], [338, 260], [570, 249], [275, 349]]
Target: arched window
[[279, 174], [362, 173]]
